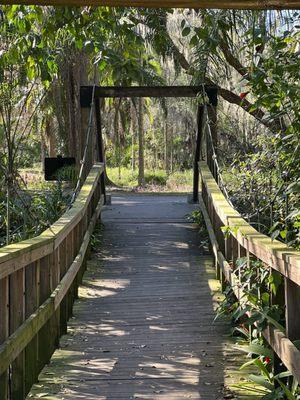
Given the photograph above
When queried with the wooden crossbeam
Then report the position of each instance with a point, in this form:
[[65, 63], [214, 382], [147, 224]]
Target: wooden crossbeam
[[146, 91], [220, 4]]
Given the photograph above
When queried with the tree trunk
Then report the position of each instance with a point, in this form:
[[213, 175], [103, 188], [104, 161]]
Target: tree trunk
[[141, 178], [73, 114], [50, 137], [75, 74], [43, 151]]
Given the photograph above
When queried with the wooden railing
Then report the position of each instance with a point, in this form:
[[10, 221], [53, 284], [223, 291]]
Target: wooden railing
[[39, 278], [244, 241]]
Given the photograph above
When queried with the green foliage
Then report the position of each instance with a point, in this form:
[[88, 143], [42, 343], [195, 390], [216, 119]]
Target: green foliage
[[265, 197], [177, 181], [263, 50], [68, 173], [197, 218], [249, 317], [132, 47], [96, 238], [156, 178], [257, 284], [31, 213]]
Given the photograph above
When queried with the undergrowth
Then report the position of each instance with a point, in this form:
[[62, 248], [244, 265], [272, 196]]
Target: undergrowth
[[155, 180], [31, 212], [249, 317]]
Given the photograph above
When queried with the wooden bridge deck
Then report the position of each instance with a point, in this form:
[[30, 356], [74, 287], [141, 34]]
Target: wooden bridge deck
[[144, 327]]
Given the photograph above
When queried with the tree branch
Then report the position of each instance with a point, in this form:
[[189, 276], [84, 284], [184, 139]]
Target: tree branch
[[231, 59], [226, 94]]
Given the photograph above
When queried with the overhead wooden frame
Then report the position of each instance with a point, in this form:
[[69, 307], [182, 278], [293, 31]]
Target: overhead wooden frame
[[146, 91], [220, 4], [102, 92]]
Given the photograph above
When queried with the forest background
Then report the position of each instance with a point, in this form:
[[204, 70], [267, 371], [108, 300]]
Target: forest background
[[46, 53]]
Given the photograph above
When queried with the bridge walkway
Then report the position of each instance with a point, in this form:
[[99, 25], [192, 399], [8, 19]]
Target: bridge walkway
[[143, 327]]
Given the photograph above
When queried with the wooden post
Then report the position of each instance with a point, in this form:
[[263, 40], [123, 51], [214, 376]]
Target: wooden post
[[70, 258], [200, 115], [44, 335], [100, 144], [4, 331], [85, 116], [32, 281], [292, 298], [16, 318], [64, 303], [87, 124], [278, 298], [55, 319], [141, 175]]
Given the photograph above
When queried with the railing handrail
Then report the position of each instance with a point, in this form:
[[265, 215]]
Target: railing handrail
[[39, 279], [273, 253], [49, 239], [276, 254]]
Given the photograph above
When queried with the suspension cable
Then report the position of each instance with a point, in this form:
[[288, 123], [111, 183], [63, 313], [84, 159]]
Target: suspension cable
[[214, 156], [87, 141], [221, 179]]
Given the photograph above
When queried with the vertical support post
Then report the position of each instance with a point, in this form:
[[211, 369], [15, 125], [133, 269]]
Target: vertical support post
[[278, 298], [87, 124], [4, 331], [55, 320], [45, 334], [141, 175], [100, 144], [16, 318], [292, 298], [64, 304], [32, 280], [200, 116], [85, 116], [70, 258]]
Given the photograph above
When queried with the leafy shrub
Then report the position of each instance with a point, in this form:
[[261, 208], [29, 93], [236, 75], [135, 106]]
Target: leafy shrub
[[176, 181], [249, 318], [184, 178], [31, 213], [156, 178]]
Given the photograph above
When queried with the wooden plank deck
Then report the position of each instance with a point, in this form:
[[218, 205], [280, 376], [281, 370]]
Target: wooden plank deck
[[144, 327]]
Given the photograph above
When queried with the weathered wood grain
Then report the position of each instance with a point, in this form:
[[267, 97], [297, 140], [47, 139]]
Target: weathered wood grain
[[16, 318], [86, 92], [4, 331], [32, 280], [23, 334], [33, 284], [274, 253], [282, 343], [144, 324], [17, 256]]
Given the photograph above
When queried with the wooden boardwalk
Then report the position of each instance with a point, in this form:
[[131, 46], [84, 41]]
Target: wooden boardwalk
[[144, 327]]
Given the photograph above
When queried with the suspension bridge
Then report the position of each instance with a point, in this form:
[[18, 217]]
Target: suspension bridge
[[143, 323]]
